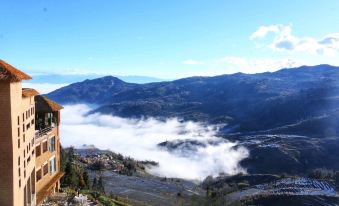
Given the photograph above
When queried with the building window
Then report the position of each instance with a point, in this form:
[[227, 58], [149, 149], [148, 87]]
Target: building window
[[23, 117], [23, 128], [24, 137], [38, 150], [28, 126], [18, 143], [33, 181], [19, 171], [44, 147], [45, 168], [38, 175], [18, 120], [52, 166], [51, 144], [18, 131], [20, 183], [32, 122]]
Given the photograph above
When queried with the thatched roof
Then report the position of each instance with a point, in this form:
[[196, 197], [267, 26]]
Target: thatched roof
[[11, 74], [27, 92], [43, 104]]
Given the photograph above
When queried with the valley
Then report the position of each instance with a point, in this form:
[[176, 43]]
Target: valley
[[280, 128]]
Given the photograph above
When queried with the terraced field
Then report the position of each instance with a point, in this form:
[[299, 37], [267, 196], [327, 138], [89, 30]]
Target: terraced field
[[289, 187]]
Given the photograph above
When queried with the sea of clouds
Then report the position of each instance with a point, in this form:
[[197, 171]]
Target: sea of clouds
[[139, 139]]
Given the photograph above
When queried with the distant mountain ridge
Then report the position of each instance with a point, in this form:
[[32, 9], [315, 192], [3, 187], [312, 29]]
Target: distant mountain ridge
[[71, 78], [246, 102]]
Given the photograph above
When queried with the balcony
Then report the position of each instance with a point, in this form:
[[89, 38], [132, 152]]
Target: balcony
[[47, 189], [39, 134], [45, 122]]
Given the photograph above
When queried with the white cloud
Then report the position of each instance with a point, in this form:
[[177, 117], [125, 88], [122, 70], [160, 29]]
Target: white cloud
[[192, 62], [264, 30], [139, 139], [284, 40], [257, 65]]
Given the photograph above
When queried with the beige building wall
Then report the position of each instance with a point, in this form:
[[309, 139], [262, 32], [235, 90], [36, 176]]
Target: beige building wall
[[16, 145], [6, 145], [27, 150], [45, 158]]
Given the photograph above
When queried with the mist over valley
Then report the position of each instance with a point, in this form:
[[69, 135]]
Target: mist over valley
[[221, 133]]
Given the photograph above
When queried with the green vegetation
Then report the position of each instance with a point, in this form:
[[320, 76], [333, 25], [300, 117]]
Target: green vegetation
[[113, 161], [98, 185], [76, 179], [102, 199]]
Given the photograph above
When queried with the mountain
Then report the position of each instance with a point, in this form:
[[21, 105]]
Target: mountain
[[246, 102], [288, 121], [71, 78]]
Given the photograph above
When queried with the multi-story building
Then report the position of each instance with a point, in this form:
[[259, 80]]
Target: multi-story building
[[29, 142]]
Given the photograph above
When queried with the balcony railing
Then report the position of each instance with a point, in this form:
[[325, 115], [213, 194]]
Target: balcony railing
[[42, 132]]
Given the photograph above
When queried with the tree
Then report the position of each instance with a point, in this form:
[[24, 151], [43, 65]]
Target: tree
[[71, 154], [86, 179], [101, 187], [98, 165], [95, 184], [82, 183], [70, 179]]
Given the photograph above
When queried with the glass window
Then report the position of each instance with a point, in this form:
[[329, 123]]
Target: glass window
[[45, 169], [38, 175], [44, 146], [51, 144], [52, 166], [38, 150]]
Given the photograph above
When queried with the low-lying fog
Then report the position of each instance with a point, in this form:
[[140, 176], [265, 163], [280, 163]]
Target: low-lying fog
[[139, 139]]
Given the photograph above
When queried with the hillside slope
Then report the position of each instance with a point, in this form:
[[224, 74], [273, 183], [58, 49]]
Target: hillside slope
[[247, 102]]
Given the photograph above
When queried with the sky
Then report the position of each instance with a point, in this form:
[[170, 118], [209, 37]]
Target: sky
[[167, 39]]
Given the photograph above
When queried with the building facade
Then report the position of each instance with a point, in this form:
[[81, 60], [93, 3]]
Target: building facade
[[29, 142]]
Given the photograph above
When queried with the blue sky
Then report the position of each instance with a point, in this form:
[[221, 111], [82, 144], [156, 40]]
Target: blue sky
[[167, 39]]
